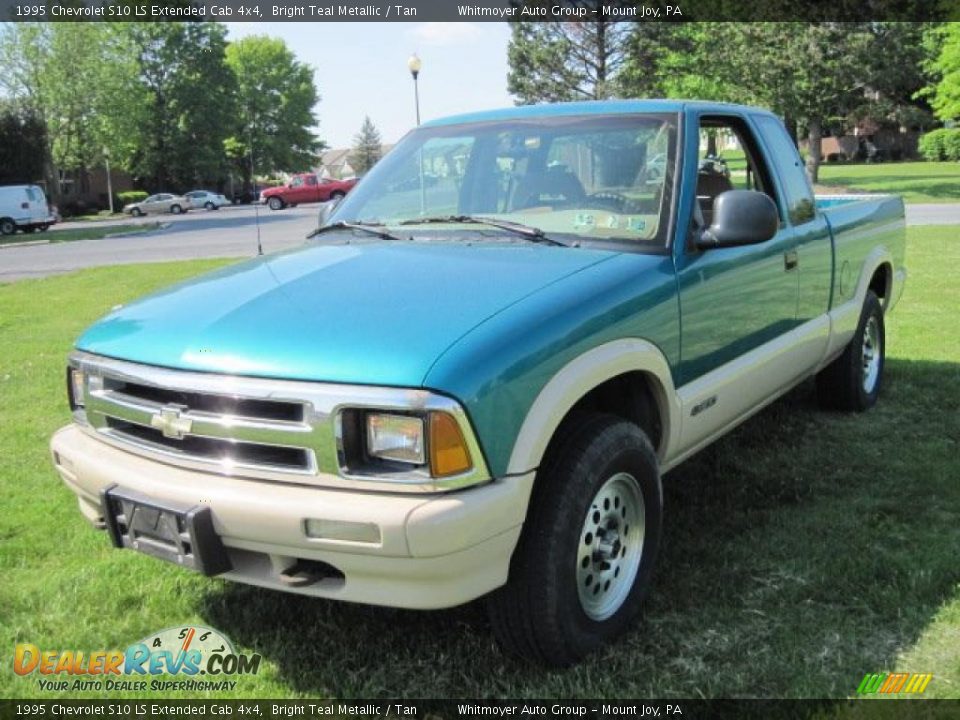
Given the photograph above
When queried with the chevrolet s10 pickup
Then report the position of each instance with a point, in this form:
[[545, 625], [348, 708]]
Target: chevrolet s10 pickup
[[471, 379]]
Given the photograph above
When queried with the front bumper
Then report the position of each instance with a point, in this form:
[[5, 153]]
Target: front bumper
[[435, 551]]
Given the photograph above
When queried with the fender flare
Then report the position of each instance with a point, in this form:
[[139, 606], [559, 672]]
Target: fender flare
[[579, 377]]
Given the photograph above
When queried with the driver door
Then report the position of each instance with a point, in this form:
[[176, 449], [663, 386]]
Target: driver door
[[735, 302]]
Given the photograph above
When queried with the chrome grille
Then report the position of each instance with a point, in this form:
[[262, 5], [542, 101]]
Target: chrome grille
[[280, 430], [227, 431]]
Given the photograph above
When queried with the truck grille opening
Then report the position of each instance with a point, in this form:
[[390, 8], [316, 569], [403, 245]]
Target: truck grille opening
[[215, 404], [217, 450], [242, 427]]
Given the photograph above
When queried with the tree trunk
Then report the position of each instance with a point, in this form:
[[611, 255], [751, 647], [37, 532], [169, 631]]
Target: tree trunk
[[814, 136], [711, 143], [790, 123], [600, 90]]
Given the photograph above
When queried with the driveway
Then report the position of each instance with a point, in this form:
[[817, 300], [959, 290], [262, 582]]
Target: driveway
[[228, 232]]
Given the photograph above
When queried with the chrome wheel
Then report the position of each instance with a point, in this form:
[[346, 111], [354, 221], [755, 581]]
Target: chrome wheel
[[610, 546], [871, 352]]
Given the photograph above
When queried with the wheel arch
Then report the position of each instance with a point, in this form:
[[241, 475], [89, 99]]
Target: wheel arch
[[608, 378]]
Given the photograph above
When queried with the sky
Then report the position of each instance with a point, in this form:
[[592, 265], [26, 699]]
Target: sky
[[361, 69]]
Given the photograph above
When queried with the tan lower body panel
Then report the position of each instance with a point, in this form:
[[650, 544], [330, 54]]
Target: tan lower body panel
[[434, 551]]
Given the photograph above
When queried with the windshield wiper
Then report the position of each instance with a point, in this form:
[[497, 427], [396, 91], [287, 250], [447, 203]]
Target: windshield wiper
[[533, 234], [370, 228]]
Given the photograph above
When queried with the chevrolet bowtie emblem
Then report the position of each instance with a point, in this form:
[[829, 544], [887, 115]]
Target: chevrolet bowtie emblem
[[170, 421]]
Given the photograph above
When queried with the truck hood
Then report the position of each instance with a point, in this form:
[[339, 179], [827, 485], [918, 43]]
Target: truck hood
[[372, 313]]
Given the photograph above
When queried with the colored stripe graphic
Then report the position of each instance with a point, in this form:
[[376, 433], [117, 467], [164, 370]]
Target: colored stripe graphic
[[892, 683]]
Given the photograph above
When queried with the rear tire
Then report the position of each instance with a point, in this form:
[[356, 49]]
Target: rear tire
[[209, 205], [581, 569], [176, 209], [337, 195], [852, 381], [7, 226]]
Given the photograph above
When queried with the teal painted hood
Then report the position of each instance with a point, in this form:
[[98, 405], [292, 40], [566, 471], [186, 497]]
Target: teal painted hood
[[373, 313]]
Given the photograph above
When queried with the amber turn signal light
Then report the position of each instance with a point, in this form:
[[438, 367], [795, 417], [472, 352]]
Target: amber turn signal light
[[448, 450]]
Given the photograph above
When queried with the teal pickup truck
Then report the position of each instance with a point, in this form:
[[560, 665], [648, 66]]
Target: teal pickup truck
[[471, 379]]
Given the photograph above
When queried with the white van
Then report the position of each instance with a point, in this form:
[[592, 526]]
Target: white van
[[23, 207]]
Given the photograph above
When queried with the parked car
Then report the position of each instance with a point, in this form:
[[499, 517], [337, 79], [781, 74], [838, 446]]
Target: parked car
[[486, 411], [306, 188], [24, 207], [206, 199], [160, 203]]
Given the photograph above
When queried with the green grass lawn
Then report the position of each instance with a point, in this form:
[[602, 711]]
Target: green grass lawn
[[917, 182], [800, 552], [86, 233]]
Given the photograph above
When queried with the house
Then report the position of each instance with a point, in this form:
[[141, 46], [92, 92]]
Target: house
[[336, 163]]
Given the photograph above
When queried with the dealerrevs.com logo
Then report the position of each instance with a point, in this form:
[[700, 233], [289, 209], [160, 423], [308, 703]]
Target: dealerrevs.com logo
[[200, 658]]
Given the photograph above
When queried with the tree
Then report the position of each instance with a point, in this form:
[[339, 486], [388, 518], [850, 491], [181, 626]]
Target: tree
[[946, 92], [22, 145], [559, 61], [366, 149], [808, 73], [56, 71], [174, 106], [276, 95]]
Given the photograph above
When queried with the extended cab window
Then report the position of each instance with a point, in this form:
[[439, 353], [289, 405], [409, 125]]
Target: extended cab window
[[796, 184], [576, 178]]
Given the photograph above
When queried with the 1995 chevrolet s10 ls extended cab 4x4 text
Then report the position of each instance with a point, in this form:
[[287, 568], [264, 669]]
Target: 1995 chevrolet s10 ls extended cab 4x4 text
[[469, 382]]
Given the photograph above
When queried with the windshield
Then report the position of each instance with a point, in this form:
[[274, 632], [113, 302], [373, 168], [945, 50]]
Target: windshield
[[578, 178]]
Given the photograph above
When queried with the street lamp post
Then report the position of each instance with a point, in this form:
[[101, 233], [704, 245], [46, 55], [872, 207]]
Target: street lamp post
[[106, 162], [414, 63]]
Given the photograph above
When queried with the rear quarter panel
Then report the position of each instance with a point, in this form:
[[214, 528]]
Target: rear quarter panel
[[868, 231]]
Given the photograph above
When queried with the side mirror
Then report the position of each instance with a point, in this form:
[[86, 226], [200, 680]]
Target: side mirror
[[326, 211], [740, 217]]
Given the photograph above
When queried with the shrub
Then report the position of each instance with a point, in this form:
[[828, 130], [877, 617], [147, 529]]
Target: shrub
[[131, 196], [942, 144]]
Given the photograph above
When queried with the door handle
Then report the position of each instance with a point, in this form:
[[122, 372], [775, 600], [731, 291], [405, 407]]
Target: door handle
[[790, 260]]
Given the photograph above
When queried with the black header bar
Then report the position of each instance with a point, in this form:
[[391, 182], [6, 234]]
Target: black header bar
[[476, 11]]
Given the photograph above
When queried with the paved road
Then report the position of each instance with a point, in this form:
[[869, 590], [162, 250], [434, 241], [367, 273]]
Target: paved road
[[228, 232], [942, 214], [231, 232]]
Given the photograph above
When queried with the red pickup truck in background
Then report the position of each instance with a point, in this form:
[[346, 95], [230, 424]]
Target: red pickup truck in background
[[306, 188]]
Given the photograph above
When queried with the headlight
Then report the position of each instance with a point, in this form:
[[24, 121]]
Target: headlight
[[75, 382], [395, 437], [431, 443]]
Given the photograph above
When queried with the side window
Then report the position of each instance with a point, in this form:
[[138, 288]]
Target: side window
[[796, 185], [31, 194], [728, 159], [311, 180], [296, 182]]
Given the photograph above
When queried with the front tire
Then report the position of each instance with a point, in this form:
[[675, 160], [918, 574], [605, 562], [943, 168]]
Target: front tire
[[176, 209], [586, 555], [275, 203], [852, 381], [209, 205]]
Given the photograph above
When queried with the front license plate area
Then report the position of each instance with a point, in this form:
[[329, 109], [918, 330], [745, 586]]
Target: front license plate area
[[178, 534]]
